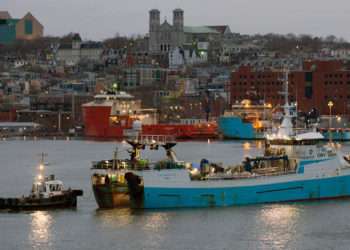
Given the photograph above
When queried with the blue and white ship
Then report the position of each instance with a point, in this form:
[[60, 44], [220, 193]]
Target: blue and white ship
[[294, 167], [246, 121]]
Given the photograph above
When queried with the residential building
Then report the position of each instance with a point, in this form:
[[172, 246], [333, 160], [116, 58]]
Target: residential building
[[25, 28], [74, 51], [144, 76], [189, 54]]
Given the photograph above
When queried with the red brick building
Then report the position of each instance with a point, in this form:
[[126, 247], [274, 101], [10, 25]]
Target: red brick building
[[313, 87]]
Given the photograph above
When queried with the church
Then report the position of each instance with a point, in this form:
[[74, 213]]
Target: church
[[165, 37]]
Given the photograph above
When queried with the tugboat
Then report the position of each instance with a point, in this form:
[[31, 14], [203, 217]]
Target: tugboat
[[46, 193], [112, 179]]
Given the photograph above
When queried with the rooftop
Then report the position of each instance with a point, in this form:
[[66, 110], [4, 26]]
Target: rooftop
[[5, 15], [200, 30], [219, 28]]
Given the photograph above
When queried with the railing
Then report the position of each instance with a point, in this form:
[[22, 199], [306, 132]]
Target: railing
[[154, 139], [296, 131]]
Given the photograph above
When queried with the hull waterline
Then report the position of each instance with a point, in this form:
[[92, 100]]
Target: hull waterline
[[297, 190]]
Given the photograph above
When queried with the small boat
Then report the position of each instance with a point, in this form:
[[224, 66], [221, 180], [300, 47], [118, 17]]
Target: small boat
[[46, 193]]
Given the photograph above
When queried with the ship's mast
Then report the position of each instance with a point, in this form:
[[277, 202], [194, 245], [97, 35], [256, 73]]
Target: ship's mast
[[41, 168], [286, 128]]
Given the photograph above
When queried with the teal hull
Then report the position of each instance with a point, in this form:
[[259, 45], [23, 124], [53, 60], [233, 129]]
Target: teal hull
[[337, 135], [314, 189], [233, 127]]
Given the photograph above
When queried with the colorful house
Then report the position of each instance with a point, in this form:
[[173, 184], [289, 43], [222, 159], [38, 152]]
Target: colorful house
[[25, 28]]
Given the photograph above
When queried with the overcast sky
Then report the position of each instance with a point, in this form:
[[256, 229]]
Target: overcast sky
[[98, 19]]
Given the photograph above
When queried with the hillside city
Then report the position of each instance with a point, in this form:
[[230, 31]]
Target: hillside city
[[181, 74]]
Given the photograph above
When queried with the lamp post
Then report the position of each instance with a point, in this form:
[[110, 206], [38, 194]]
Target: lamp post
[[330, 105]]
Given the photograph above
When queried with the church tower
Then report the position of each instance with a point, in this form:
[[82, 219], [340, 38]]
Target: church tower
[[178, 24], [178, 19], [154, 24]]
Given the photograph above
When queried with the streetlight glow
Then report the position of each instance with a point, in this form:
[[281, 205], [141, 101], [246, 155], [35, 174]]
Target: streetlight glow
[[41, 167], [330, 105]]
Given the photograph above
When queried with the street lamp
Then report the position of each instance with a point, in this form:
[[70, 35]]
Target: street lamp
[[330, 105]]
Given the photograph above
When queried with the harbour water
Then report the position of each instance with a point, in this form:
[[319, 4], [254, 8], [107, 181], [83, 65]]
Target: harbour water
[[307, 225]]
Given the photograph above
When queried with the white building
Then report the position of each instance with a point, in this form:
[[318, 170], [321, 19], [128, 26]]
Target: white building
[[188, 55], [76, 51]]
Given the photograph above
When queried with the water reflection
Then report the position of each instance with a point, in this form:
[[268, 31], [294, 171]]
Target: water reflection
[[280, 222], [115, 217], [40, 234], [259, 145], [155, 227], [246, 146], [155, 222]]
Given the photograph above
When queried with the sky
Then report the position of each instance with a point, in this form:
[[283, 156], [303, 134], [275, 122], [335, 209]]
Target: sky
[[99, 19]]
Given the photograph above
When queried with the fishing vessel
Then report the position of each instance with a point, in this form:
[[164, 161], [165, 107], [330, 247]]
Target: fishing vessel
[[111, 179], [246, 120], [296, 165], [46, 193]]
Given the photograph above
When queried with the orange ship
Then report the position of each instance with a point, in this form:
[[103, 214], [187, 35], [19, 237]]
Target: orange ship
[[119, 115]]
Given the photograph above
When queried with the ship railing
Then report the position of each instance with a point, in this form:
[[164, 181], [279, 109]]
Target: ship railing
[[296, 131], [154, 139]]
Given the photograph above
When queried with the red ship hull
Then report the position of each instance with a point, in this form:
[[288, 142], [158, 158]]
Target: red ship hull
[[182, 131], [98, 124]]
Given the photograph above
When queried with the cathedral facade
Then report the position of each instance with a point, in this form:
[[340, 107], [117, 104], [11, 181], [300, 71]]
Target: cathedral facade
[[165, 37]]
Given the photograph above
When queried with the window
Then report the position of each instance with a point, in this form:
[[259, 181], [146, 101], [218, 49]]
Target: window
[[28, 27], [308, 76], [308, 90]]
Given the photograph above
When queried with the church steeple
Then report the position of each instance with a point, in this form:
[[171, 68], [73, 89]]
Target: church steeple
[[178, 19], [154, 20]]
